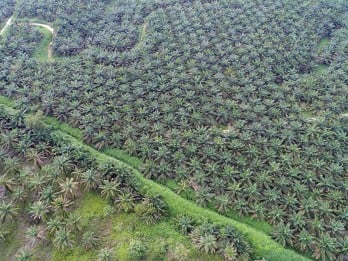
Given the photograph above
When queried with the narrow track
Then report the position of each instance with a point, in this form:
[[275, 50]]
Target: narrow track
[[8, 23], [45, 26], [51, 30]]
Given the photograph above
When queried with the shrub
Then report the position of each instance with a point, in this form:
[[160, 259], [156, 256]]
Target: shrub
[[136, 250], [105, 254], [89, 240]]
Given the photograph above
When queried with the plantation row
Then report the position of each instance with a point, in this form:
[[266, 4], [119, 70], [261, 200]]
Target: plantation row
[[241, 104]]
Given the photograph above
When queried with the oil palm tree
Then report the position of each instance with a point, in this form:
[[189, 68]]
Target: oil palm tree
[[325, 248], [305, 240], [69, 188], [7, 182], [91, 179], [283, 234], [7, 211], [125, 202], [109, 189], [208, 243], [54, 224], [63, 239], [61, 205], [73, 222], [38, 211], [105, 254]]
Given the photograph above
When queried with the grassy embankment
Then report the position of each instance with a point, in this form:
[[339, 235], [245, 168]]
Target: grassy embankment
[[263, 245]]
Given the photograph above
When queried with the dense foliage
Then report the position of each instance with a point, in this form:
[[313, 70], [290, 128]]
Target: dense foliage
[[6, 9], [48, 174], [42, 176], [244, 103]]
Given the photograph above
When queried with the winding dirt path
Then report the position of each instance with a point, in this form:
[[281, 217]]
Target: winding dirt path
[[8, 23], [46, 26], [143, 31], [51, 30]]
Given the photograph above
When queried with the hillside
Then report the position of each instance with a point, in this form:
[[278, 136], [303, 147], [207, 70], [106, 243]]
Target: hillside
[[226, 122]]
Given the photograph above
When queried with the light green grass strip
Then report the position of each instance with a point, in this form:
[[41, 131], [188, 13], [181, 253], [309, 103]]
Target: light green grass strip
[[53, 122], [6, 101], [122, 156], [263, 245], [41, 51]]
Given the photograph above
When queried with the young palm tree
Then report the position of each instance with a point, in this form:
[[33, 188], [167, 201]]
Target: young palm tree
[[7, 182], [89, 240], [12, 166], [48, 194], [38, 211], [36, 183], [325, 247], [185, 224], [24, 254], [91, 179], [109, 189], [35, 157], [62, 164], [230, 253], [7, 211], [61, 205], [3, 234], [35, 233], [55, 224], [222, 203], [69, 188], [125, 202], [105, 254], [63, 239], [9, 140], [19, 195], [283, 234], [208, 243]]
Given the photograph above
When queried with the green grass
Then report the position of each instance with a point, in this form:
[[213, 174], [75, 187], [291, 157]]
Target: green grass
[[75, 132], [120, 229], [321, 68], [12, 243], [323, 42], [123, 156], [260, 225], [6, 101], [41, 51]]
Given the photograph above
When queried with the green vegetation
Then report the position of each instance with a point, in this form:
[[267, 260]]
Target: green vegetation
[[323, 42], [236, 106], [41, 52], [263, 246], [122, 156], [6, 10], [76, 133], [121, 229]]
